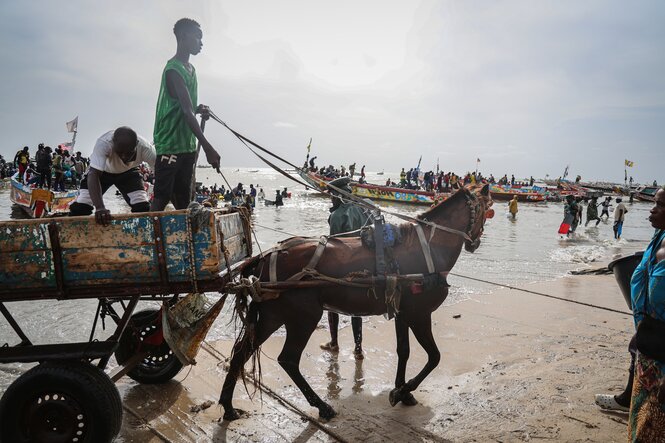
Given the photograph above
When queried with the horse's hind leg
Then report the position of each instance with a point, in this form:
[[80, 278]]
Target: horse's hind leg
[[298, 333], [422, 330], [267, 323]]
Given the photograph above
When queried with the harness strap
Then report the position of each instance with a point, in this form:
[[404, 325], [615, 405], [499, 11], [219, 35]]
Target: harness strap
[[273, 266], [323, 241], [424, 244], [378, 246]]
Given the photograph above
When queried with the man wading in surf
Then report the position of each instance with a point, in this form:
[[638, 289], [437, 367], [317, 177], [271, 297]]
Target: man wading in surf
[[176, 129]]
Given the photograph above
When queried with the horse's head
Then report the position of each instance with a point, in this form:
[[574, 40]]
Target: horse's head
[[479, 202]]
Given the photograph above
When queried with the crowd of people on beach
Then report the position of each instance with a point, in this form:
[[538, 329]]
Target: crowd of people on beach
[[49, 168], [416, 179]]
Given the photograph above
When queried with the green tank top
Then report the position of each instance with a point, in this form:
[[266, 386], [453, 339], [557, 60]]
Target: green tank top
[[172, 135]]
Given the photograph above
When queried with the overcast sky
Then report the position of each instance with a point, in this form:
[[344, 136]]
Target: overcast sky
[[526, 86]]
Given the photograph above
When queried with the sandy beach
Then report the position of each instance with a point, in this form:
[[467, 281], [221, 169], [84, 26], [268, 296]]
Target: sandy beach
[[515, 367]]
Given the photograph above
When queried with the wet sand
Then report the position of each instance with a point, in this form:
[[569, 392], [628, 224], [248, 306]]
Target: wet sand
[[514, 367]]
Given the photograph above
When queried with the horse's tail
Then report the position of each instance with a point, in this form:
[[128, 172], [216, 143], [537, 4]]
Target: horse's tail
[[246, 319]]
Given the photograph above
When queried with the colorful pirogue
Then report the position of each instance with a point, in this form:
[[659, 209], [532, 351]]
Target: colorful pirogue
[[377, 192], [38, 203], [524, 194]]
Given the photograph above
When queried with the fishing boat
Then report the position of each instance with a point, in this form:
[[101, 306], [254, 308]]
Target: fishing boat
[[38, 203], [524, 194], [387, 193], [314, 180], [376, 192], [646, 193]]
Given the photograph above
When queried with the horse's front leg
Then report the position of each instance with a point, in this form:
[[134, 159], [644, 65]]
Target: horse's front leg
[[422, 330], [403, 350]]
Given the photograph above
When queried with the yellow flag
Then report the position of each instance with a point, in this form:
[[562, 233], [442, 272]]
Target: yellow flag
[[629, 163]]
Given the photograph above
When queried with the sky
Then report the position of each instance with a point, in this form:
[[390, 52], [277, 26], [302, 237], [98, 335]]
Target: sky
[[526, 87]]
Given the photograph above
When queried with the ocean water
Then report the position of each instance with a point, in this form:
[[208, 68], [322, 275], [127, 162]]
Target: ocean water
[[512, 252]]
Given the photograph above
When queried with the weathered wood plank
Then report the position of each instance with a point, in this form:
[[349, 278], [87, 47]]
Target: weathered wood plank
[[77, 232], [27, 269], [29, 237], [121, 264]]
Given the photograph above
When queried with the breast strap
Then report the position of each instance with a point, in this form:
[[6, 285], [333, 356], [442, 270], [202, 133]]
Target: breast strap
[[424, 244]]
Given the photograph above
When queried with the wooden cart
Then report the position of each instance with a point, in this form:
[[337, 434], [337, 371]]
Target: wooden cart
[[68, 396]]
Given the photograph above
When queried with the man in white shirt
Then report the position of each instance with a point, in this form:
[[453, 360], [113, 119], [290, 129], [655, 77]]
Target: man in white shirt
[[115, 161], [619, 215]]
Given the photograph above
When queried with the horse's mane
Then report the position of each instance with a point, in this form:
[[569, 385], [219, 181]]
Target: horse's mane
[[444, 205]]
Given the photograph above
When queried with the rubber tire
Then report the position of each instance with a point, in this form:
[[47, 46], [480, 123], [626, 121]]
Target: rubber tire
[[81, 384], [146, 372]]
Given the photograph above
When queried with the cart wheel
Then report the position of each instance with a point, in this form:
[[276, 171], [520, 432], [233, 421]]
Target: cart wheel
[[68, 401], [161, 364]]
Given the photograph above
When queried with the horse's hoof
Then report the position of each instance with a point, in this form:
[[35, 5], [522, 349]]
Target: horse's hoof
[[330, 347], [395, 396], [409, 400], [233, 414], [326, 412]]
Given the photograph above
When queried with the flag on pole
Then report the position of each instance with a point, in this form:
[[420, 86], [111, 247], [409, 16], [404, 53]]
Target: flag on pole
[[72, 125], [629, 163], [478, 160], [565, 172], [309, 146]]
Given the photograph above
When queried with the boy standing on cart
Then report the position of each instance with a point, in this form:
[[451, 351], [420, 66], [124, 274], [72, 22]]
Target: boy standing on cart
[[115, 161], [176, 129]]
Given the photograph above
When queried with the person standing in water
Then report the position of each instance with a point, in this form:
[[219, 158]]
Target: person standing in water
[[606, 207], [592, 211], [619, 216], [176, 128], [512, 207]]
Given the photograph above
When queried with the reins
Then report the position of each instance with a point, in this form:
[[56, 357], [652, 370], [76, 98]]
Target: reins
[[355, 199]]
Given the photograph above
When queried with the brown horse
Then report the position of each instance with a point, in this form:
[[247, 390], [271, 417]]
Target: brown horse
[[300, 309]]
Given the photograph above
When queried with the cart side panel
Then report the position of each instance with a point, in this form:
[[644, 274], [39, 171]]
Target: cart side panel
[[25, 259], [233, 234], [85, 254]]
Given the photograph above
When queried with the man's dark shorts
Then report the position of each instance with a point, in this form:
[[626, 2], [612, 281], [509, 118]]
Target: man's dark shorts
[[173, 180]]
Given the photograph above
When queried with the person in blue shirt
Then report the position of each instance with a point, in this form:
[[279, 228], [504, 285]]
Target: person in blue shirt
[[646, 422]]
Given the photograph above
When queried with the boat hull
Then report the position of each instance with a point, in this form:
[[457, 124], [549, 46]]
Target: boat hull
[[398, 195], [39, 203], [375, 192]]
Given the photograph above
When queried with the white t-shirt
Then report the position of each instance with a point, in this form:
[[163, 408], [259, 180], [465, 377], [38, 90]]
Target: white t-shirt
[[103, 159], [620, 212]]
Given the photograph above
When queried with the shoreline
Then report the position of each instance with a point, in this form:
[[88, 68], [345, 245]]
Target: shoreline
[[514, 367]]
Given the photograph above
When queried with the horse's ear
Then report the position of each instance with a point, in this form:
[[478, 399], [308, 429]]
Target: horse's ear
[[485, 191]]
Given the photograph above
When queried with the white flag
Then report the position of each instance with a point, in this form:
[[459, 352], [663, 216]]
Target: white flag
[[73, 125]]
